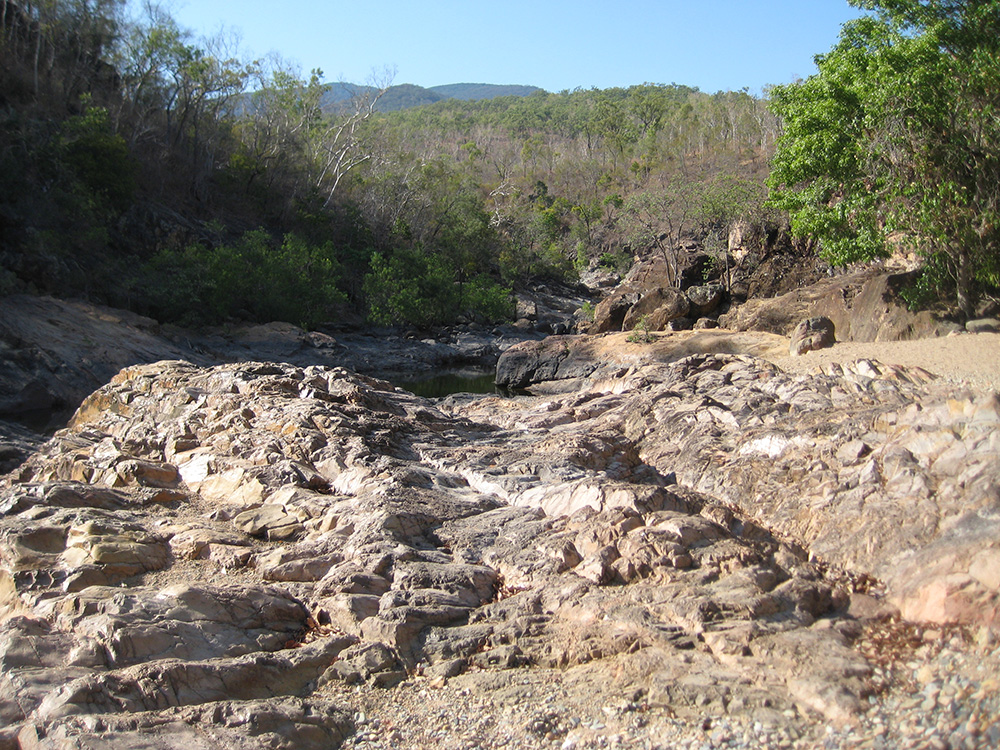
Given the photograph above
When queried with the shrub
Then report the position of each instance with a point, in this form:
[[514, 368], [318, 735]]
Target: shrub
[[641, 334], [253, 279], [422, 289], [619, 262], [483, 298], [98, 157], [411, 287]]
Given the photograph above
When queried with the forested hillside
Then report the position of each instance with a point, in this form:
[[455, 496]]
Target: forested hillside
[[406, 95], [148, 169]]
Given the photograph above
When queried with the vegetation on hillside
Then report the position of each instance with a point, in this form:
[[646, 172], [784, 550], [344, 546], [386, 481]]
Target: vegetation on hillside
[[147, 169]]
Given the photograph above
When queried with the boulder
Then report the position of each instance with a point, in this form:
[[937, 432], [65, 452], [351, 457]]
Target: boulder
[[658, 306], [812, 334], [704, 298], [553, 358], [609, 315], [863, 305], [983, 325]]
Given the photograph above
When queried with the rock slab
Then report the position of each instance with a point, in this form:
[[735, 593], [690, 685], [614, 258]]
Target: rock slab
[[221, 554]]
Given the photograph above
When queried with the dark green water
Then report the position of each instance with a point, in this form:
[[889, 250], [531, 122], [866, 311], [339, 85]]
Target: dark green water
[[447, 383]]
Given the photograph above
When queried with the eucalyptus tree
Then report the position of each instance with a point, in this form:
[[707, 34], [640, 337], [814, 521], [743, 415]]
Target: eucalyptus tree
[[660, 219], [339, 142]]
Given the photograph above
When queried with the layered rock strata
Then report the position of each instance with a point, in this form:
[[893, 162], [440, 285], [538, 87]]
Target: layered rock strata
[[208, 556]]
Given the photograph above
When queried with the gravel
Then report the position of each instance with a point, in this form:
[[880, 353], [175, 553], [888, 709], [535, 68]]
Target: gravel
[[936, 688]]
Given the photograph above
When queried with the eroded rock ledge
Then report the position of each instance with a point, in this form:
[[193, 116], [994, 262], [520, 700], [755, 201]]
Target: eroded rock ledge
[[204, 554]]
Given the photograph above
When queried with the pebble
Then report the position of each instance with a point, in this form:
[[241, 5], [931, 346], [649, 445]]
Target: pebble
[[946, 699]]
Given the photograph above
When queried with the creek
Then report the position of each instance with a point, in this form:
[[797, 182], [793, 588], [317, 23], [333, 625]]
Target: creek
[[446, 383]]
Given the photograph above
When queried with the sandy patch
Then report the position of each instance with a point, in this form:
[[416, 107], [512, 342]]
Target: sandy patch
[[970, 359]]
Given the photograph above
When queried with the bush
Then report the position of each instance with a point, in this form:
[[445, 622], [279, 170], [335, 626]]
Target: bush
[[63, 187], [410, 287], [619, 262], [98, 157], [488, 301], [253, 279], [641, 333], [422, 289]]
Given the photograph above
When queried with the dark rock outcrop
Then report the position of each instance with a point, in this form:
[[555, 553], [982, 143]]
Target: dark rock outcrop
[[646, 292], [553, 358]]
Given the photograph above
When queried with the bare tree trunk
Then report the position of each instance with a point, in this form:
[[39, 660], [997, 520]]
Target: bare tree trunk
[[38, 53]]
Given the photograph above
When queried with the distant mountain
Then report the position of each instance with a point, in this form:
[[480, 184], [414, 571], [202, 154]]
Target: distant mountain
[[408, 95], [473, 91]]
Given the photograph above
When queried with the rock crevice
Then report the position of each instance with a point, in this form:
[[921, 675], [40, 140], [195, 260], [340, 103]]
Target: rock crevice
[[203, 544]]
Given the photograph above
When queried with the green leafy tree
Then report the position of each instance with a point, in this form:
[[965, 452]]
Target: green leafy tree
[[421, 288], [898, 136], [98, 157]]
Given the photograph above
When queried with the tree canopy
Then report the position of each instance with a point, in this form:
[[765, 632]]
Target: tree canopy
[[897, 140], [147, 168]]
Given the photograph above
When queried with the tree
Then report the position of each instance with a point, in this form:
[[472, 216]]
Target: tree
[[57, 47], [203, 84], [898, 136], [661, 218], [611, 122], [142, 58], [336, 142], [726, 202]]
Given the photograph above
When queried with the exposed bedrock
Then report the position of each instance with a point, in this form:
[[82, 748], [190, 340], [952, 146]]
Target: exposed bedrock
[[205, 552]]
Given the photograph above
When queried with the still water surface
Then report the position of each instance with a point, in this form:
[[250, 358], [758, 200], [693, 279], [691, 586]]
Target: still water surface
[[444, 384]]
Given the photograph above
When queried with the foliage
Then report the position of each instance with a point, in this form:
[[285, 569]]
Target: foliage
[[930, 285], [254, 278], [619, 262], [411, 287], [98, 157], [62, 187], [896, 138], [135, 156], [422, 289], [641, 333], [660, 218], [489, 302]]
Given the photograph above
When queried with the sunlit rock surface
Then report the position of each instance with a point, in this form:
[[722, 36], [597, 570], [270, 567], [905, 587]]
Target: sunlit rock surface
[[205, 554]]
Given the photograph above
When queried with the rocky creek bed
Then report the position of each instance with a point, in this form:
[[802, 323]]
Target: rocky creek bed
[[707, 552]]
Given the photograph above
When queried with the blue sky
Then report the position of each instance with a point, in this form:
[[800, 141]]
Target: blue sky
[[555, 44]]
